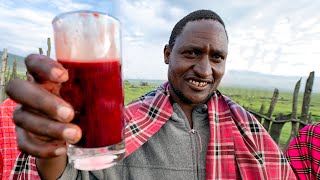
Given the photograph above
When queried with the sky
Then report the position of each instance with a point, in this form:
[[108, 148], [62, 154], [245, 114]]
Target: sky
[[278, 37]]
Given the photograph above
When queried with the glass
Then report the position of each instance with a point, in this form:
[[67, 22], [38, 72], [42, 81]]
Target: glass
[[87, 44]]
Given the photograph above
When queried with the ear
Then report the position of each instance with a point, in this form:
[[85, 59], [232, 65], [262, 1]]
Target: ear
[[166, 53]]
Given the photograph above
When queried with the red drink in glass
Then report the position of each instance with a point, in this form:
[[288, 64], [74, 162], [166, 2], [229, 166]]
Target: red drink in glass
[[87, 44], [94, 89]]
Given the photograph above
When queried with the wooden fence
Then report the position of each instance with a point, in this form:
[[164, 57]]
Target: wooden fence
[[6, 74], [2, 75], [275, 125]]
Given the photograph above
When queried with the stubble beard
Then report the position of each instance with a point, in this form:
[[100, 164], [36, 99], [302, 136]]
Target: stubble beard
[[180, 95]]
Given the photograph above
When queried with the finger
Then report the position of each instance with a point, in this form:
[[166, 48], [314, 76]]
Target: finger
[[38, 148], [42, 68], [50, 86], [45, 128], [33, 96]]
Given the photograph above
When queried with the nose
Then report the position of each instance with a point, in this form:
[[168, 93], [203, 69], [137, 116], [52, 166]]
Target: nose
[[203, 67]]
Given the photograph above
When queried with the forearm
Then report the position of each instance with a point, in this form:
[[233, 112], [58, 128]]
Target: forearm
[[51, 168]]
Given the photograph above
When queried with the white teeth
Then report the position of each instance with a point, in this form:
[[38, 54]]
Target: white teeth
[[196, 83]]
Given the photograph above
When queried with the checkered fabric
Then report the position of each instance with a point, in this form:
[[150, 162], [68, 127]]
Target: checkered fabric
[[8, 145], [303, 153], [239, 147]]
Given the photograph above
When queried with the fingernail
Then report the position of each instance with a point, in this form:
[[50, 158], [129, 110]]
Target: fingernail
[[56, 73], [60, 151], [70, 134], [64, 112]]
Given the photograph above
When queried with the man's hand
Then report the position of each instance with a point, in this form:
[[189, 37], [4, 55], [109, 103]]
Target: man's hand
[[42, 119]]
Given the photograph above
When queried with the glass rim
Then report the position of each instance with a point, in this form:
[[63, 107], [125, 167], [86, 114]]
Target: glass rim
[[61, 15]]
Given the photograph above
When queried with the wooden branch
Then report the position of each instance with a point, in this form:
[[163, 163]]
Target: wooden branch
[[40, 51], [49, 47], [14, 70], [277, 125], [261, 112], [2, 74], [294, 124], [278, 121], [310, 118], [260, 115], [294, 129], [306, 98], [273, 103]]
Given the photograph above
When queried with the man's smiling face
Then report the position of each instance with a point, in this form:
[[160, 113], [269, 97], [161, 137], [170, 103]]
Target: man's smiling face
[[197, 61]]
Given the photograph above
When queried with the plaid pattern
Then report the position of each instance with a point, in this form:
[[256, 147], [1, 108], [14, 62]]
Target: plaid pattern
[[239, 147], [304, 153], [8, 145]]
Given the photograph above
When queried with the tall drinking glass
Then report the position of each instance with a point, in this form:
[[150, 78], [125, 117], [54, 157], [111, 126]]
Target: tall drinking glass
[[87, 44]]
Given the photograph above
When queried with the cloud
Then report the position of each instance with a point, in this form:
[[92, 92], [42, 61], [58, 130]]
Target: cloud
[[264, 36], [274, 37], [145, 32], [70, 5], [279, 37], [145, 18], [26, 25], [25, 30]]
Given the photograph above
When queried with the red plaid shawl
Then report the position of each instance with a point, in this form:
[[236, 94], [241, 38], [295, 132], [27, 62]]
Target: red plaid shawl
[[8, 145], [239, 147], [304, 153]]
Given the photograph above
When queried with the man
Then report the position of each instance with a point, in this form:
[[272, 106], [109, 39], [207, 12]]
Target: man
[[303, 152], [190, 130]]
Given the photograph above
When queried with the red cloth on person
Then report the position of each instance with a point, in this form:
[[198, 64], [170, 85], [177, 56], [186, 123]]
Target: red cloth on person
[[8, 144]]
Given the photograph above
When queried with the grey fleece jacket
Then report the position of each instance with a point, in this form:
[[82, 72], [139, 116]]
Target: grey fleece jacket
[[175, 152]]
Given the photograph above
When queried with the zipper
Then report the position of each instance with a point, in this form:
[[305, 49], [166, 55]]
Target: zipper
[[193, 138], [193, 131]]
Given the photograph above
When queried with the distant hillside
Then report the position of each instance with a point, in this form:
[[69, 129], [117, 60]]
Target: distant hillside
[[250, 79], [11, 58], [149, 81]]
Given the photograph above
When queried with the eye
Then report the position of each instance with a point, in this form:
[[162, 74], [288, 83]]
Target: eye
[[217, 57], [191, 53]]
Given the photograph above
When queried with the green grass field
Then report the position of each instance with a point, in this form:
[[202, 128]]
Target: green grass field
[[250, 98], [254, 98]]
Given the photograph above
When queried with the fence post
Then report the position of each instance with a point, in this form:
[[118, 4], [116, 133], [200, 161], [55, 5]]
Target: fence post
[[276, 127], [49, 47], [266, 123], [306, 99], [40, 51], [310, 118], [294, 127], [260, 112], [2, 75], [14, 70]]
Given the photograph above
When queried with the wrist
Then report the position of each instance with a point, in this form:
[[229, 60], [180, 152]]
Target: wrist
[[51, 168]]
